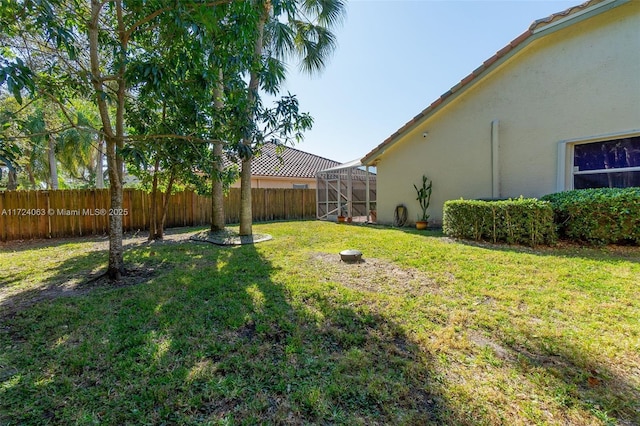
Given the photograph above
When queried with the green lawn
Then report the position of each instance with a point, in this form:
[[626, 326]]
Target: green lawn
[[426, 331]]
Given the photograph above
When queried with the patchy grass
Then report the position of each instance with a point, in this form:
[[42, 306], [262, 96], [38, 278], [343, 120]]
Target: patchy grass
[[426, 331]]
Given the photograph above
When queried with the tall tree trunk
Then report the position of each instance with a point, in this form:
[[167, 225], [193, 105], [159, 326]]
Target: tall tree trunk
[[153, 206], [99, 165], [53, 164], [114, 140], [32, 178], [12, 184], [165, 205], [246, 214], [116, 260], [217, 190]]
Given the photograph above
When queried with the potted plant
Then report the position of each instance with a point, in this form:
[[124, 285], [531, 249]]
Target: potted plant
[[424, 198], [373, 214], [342, 216]]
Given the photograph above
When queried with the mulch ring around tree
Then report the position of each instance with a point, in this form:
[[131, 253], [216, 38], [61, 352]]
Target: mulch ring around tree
[[229, 237]]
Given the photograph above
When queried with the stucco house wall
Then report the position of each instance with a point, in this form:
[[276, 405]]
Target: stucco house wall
[[506, 133], [276, 182]]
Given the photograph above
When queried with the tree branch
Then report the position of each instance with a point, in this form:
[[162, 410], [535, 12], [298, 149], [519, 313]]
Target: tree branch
[[146, 138], [159, 12]]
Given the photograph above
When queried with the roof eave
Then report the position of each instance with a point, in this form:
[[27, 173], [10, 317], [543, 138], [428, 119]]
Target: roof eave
[[537, 30]]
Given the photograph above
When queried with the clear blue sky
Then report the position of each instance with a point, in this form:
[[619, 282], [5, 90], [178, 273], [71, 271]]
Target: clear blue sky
[[394, 58]]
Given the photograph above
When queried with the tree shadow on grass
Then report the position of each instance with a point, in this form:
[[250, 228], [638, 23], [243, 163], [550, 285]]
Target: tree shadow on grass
[[610, 253], [84, 272], [576, 379], [215, 337], [211, 338]]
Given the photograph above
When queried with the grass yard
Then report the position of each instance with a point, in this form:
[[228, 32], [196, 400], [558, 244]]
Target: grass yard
[[426, 331]]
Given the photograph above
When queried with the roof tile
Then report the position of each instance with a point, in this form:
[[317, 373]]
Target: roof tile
[[290, 162]]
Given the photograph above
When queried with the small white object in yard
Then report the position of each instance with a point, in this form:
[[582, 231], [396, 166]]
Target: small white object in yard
[[351, 256]]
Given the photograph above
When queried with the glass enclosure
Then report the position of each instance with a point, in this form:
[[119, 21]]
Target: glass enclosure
[[348, 190]]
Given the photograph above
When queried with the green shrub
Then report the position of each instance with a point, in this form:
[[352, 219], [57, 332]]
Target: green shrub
[[598, 216], [524, 221]]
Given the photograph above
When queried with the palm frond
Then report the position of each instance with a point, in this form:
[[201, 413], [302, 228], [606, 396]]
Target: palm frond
[[327, 13]]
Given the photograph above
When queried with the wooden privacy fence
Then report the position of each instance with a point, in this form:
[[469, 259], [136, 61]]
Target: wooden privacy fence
[[64, 213]]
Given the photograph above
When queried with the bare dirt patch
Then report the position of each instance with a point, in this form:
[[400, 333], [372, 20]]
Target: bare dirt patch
[[100, 242], [229, 237], [374, 275], [12, 302]]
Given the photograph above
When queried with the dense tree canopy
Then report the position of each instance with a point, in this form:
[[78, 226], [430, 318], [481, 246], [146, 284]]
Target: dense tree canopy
[[173, 88]]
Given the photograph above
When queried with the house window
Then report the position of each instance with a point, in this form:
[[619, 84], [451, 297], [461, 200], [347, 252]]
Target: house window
[[607, 164], [300, 186]]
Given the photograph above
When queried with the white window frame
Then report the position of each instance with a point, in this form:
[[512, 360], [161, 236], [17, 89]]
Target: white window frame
[[566, 157]]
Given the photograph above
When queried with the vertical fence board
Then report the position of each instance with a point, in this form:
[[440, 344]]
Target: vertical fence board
[[103, 201], [232, 206], [13, 230], [172, 211], [55, 203], [86, 219], [77, 212], [182, 209], [4, 217], [126, 204], [42, 222], [31, 220], [136, 212], [19, 202], [175, 210]]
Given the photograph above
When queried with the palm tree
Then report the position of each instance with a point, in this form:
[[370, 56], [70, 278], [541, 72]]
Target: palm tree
[[50, 152], [78, 151], [291, 28]]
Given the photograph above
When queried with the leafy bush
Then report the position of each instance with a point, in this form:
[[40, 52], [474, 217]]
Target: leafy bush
[[598, 216], [521, 221]]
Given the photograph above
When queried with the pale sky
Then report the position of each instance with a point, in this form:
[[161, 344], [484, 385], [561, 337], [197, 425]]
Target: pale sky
[[394, 58]]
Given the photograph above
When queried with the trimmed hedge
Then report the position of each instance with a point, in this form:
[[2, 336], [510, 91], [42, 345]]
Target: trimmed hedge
[[524, 221], [598, 216]]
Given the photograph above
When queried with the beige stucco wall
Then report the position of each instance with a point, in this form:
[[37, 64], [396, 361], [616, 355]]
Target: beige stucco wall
[[577, 82], [275, 182]]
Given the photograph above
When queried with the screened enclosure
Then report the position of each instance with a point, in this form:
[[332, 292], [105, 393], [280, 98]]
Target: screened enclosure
[[347, 190]]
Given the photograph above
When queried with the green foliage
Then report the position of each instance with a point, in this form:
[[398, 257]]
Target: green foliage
[[17, 76], [424, 196], [598, 216], [25, 133], [524, 221]]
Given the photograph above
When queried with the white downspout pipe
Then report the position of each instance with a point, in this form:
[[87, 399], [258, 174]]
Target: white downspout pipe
[[367, 196], [495, 159], [349, 193]]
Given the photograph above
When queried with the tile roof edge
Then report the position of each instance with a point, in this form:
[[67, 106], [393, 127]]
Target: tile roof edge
[[304, 152], [295, 163], [542, 22]]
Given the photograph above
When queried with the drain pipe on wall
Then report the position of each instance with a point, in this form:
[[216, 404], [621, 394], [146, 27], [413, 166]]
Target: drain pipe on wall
[[367, 198], [495, 159]]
